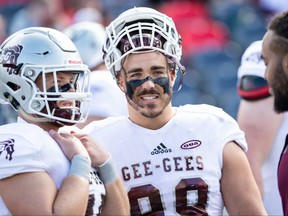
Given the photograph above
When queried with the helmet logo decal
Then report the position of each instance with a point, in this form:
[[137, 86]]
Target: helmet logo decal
[[74, 61], [9, 57], [8, 146], [254, 58], [146, 41]]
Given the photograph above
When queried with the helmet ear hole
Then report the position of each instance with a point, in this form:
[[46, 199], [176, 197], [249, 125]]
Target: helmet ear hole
[[117, 67], [13, 86]]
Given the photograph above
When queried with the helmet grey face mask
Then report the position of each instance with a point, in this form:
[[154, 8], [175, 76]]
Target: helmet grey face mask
[[33, 53]]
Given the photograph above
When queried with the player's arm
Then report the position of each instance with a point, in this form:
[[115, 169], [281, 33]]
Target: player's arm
[[116, 201], [260, 124], [240, 192], [36, 194]]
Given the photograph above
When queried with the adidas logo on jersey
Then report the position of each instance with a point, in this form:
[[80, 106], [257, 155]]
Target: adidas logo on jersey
[[160, 149]]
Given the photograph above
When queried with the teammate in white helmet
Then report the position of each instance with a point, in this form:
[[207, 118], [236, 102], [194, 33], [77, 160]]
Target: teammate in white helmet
[[39, 77], [188, 160], [107, 98], [265, 130]]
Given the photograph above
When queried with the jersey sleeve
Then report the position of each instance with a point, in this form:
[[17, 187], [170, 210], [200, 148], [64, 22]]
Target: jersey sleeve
[[18, 155], [230, 131], [251, 87], [219, 122]]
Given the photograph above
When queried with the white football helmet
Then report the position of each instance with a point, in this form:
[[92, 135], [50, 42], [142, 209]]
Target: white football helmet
[[140, 29], [89, 38], [251, 61], [32, 53]]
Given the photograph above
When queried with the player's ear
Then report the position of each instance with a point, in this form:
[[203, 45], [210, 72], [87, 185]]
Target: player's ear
[[285, 63], [121, 82]]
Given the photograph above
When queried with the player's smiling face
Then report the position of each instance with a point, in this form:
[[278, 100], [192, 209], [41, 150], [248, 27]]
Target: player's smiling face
[[147, 81]]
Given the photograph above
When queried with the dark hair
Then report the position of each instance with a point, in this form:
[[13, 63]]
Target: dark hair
[[279, 25]]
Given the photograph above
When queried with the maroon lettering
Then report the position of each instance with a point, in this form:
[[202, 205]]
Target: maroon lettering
[[135, 168], [154, 204], [191, 184], [200, 163], [147, 168], [138, 170], [188, 163], [177, 164], [167, 168], [125, 176], [153, 196]]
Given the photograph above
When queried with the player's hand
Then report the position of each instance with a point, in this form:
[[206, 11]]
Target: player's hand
[[69, 144], [98, 155]]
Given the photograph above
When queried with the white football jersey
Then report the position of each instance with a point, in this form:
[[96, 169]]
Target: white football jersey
[[27, 148], [175, 169]]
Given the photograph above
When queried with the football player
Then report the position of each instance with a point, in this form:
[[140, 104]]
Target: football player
[[187, 160], [40, 70]]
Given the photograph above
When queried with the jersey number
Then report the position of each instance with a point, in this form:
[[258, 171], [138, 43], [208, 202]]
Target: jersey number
[[146, 199]]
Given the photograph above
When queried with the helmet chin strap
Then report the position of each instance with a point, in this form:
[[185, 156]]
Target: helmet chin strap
[[32, 118], [42, 119], [132, 103]]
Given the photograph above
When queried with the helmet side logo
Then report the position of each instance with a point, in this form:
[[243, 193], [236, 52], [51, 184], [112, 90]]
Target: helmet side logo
[[8, 146], [9, 57]]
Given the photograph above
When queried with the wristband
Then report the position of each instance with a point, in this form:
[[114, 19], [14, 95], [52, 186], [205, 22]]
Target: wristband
[[107, 171], [80, 166]]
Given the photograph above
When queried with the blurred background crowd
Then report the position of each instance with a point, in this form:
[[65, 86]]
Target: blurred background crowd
[[215, 34]]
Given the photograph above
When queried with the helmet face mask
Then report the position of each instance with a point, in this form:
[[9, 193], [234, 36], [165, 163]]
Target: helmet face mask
[[46, 99], [24, 72], [138, 30]]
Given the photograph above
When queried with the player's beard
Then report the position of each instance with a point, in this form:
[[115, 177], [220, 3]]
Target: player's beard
[[152, 110], [280, 90]]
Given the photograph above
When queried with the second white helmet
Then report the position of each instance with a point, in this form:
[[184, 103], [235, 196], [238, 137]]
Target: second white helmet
[[89, 38]]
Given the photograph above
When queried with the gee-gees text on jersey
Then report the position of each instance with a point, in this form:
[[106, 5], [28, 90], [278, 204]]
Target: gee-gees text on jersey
[[146, 168], [147, 199]]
